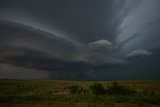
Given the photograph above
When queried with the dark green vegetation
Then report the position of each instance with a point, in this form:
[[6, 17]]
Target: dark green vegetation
[[135, 92], [97, 89]]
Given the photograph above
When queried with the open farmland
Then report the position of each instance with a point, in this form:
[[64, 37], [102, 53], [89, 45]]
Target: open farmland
[[48, 93]]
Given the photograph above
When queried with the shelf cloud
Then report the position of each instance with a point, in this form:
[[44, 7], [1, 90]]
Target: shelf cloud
[[80, 39]]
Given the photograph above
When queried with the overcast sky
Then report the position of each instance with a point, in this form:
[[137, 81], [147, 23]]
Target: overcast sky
[[107, 39]]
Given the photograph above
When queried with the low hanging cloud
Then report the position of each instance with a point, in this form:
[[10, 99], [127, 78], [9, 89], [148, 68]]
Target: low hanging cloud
[[100, 44], [138, 53], [101, 52], [19, 72]]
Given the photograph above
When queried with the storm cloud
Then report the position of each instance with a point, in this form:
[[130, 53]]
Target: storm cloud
[[138, 53], [101, 52], [100, 44], [80, 39]]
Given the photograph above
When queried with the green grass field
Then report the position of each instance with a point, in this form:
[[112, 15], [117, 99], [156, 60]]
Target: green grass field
[[48, 93]]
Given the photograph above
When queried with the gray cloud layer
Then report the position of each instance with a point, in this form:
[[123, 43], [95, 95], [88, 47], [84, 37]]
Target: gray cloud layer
[[101, 52], [138, 53], [79, 39]]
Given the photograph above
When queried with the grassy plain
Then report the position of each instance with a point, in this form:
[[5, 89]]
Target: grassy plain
[[52, 93]]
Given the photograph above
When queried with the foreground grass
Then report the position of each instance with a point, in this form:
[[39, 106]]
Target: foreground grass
[[84, 99], [63, 104], [58, 92]]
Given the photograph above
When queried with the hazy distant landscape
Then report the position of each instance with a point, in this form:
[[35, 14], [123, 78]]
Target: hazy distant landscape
[[45, 93]]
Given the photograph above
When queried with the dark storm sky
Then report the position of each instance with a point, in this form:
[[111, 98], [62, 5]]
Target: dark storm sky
[[115, 38], [82, 20]]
